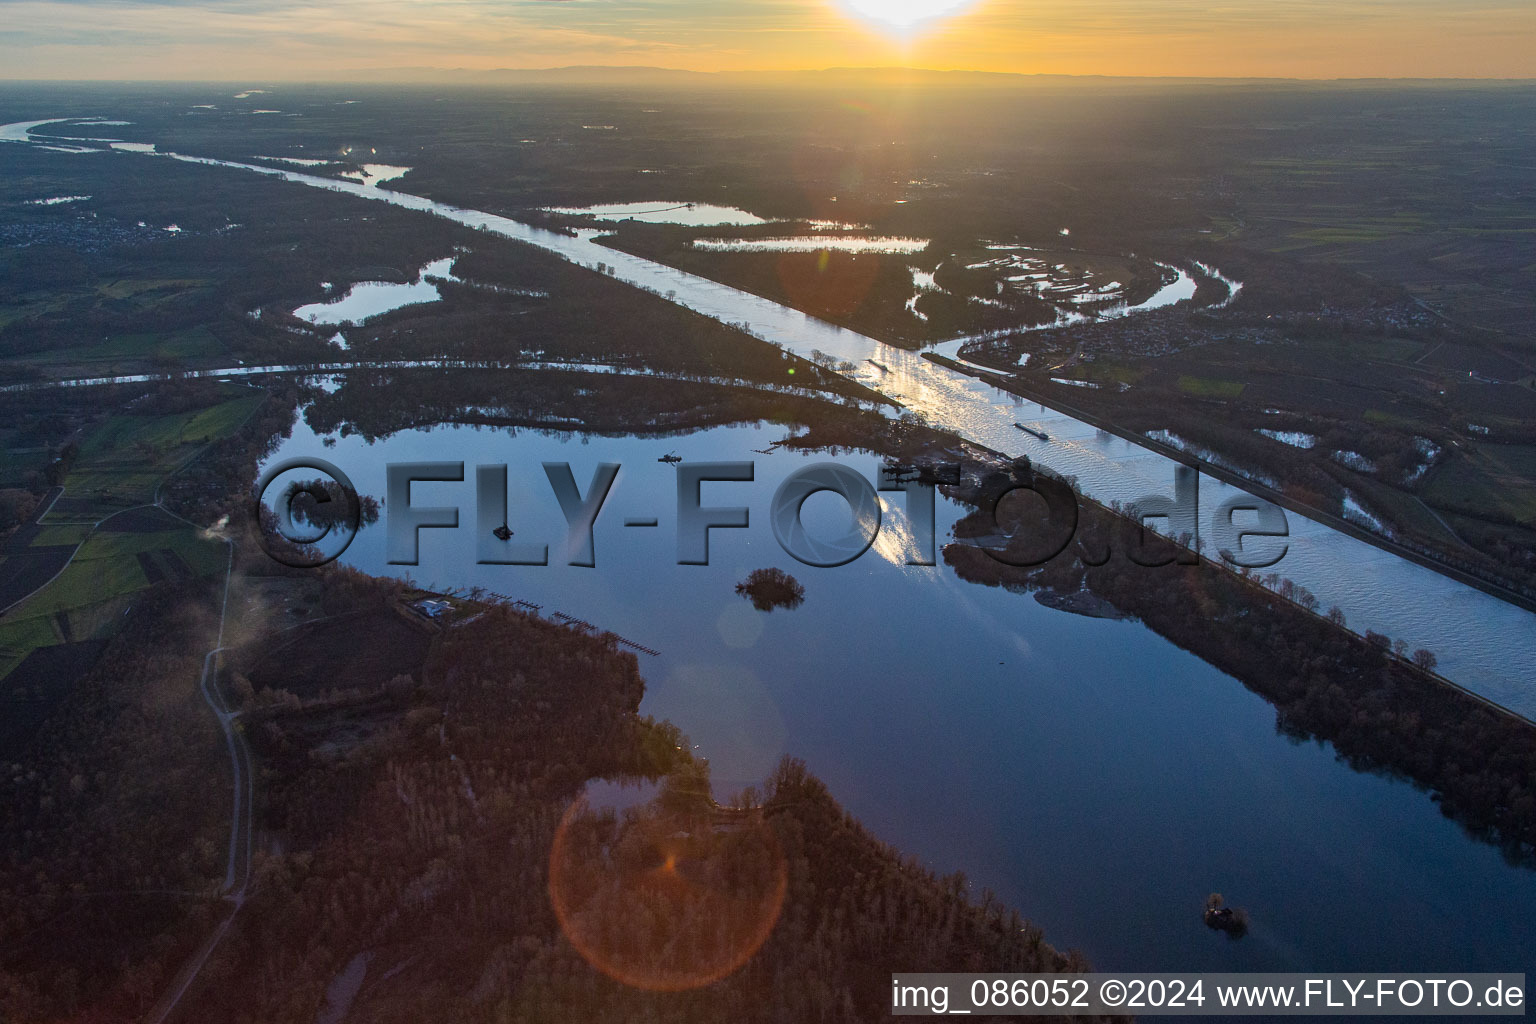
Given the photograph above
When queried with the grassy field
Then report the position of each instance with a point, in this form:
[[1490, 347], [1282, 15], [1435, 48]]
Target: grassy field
[[122, 295], [86, 600], [129, 288], [1114, 372], [1492, 477], [17, 462], [184, 348], [124, 546], [19, 637], [1377, 417], [68, 533], [1390, 350], [195, 426], [1210, 387], [125, 457], [108, 566], [1404, 510]]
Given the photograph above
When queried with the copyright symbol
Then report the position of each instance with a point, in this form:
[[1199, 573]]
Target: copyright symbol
[[1112, 993], [332, 508]]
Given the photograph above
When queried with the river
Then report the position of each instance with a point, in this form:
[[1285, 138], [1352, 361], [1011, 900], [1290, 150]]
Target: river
[[1482, 643], [1088, 771]]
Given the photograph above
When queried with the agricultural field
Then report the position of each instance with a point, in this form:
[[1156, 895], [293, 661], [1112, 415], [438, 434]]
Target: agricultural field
[[1487, 478], [68, 579], [1210, 387]]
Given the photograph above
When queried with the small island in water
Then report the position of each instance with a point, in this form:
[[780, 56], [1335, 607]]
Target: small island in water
[[768, 589], [1222, 918]]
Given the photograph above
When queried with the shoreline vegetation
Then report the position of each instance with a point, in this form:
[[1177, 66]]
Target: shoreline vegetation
[[426, 806], [411, 789], [1379, 710], [1514, 589], [482, 751], [1476, 760], [423, 798]]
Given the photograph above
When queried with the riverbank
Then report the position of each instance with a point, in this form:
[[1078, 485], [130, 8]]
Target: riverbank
[[1380, 712], [1339, 524], [1478, 642], [461, 787]]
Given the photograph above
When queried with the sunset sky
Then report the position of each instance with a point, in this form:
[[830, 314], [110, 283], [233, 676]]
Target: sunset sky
[[288, 39]]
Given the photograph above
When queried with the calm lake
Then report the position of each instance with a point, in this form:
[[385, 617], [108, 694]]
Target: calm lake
[[1087, 771]]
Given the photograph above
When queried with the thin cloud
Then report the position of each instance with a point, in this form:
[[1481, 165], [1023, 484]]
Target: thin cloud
[[306, 39]]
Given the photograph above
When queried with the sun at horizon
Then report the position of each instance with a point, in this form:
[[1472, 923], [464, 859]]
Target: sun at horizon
[[904, 15]]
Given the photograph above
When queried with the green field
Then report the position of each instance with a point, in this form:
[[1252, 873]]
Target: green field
[[1386, 419], [16, 463], [1210, 387], [88, 598], [1390, 350], [196, 426], [114, 295], [1497, 477], [128, 288], [107, 566], [183, 347], [68, 533], [124, 458], [1119, 373], [121, 462]]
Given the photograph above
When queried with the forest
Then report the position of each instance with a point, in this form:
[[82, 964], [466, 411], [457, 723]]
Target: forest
[[412, 834], [113, 824], [419, 824]]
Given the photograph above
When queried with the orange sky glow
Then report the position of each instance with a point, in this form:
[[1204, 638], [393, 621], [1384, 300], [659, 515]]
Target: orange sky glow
[[301, 39]]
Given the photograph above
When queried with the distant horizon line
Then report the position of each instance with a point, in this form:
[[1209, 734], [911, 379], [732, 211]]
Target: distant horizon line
[[424, 74]]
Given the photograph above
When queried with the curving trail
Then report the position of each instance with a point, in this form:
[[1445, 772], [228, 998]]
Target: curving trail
[[237, 875]]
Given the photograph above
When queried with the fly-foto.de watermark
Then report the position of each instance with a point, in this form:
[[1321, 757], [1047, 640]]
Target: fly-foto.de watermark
[[312, 518]]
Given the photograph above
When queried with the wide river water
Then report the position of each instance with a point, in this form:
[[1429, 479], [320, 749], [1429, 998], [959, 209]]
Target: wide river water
[[1086, 770], [1483, 643]]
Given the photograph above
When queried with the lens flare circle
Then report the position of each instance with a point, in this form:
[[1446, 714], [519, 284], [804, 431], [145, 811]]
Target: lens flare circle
[[666, 899], [904, 14]]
